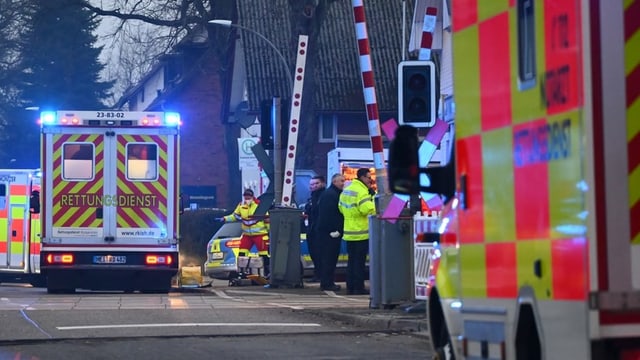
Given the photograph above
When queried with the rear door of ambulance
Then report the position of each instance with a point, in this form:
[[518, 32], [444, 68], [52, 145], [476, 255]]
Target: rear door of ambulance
[[144, 182], [615, 265]]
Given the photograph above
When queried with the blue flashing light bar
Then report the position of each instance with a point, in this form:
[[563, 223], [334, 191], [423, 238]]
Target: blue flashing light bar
[[110, 118], [48, 117], [172, 119]]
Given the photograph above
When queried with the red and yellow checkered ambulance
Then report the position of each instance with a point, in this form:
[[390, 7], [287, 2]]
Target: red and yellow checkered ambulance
[[20, 226], [540, 247]]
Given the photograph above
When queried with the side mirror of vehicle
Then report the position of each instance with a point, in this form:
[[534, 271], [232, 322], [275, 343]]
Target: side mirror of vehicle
[[181, 204], [34, 202], [404, 170]]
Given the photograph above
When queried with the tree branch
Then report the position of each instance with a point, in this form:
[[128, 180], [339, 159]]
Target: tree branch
[[180, 22]]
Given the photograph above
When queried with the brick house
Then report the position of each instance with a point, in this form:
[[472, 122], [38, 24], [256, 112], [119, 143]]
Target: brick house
[[207, 88]]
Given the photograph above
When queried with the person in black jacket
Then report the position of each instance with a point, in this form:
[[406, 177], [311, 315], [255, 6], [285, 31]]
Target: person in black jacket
[[317, 185], [329, 232]]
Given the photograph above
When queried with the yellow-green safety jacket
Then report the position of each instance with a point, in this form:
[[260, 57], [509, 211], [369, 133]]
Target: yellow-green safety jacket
[[356, 205], [250, 226]]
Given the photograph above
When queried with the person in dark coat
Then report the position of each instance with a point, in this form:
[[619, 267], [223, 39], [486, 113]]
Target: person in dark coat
[[329, 229], [317, 185]]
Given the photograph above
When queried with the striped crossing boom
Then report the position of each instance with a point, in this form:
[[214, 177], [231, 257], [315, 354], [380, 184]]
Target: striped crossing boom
[[428, 28], [632, 73], [296, 102], [427, 150], [369, 89]]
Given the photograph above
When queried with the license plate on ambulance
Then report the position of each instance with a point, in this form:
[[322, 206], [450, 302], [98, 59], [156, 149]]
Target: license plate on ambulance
[[217, 255], [109, 259]]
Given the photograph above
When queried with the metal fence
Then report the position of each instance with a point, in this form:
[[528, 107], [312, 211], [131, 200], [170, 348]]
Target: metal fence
[[423, 253]]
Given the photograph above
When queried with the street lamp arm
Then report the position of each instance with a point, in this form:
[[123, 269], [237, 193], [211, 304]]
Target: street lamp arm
[[228, 23]]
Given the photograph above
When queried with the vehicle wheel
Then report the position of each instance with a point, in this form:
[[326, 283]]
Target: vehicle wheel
[[57, 285], [445, 352], [158, 286], [38, 281]]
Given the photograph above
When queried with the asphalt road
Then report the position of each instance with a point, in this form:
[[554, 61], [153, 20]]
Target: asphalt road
[[221, 322], [343, 346]]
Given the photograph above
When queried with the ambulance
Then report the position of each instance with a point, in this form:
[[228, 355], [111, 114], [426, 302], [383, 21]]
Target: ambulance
[[109, 200], [20, 226], [539, 247], [347, 161]]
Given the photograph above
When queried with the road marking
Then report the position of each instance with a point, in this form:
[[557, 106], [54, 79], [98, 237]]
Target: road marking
[[26, 317], [334, 295], [292, 307], [123, 326], [222, 294]]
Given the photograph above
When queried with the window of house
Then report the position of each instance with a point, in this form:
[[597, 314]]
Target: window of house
[[142, 161], [78, 161], [328, 125], [142, 94], [526, 44]]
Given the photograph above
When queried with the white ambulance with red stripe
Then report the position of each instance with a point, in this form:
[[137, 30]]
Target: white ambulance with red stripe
[[20, 226], [109, 200]]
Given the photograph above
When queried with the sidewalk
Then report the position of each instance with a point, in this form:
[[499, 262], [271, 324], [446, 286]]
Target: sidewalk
[[403, 317]]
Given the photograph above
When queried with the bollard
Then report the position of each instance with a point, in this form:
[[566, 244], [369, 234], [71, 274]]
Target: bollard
[[391, 277], [284, 247]]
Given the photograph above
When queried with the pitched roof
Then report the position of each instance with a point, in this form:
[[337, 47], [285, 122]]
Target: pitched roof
[[338, 79]]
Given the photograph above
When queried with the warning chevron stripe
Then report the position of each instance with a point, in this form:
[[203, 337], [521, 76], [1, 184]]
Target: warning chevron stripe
[[632, 82], [147, 216], [631, 19], [66, 215]]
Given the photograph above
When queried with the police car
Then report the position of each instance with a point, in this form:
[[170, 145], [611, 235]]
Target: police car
[[222, 253]]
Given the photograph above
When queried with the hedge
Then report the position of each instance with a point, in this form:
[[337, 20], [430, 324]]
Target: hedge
[[196, 229]]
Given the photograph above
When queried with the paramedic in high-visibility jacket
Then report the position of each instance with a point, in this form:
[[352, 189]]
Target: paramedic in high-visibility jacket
[[356, 204], [255, 231]]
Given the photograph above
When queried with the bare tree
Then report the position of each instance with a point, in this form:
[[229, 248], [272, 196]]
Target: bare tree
[[168, 21], [12, 19]]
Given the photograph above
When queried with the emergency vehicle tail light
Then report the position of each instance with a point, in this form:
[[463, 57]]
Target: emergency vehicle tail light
[[172, 118], [60, 259], [158, 260], [48, 117]]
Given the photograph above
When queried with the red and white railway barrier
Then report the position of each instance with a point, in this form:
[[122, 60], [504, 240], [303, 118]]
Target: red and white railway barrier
[[428, 28], [368, 85], [294, 122]]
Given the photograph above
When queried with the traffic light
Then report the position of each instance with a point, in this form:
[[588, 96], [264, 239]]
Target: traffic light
[[267, 124], [417, 93]]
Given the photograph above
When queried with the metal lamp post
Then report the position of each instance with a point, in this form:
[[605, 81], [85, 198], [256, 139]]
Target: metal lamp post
[[277, 144]]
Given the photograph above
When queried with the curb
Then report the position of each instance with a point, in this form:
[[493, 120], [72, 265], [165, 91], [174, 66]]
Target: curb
[[376, 321]]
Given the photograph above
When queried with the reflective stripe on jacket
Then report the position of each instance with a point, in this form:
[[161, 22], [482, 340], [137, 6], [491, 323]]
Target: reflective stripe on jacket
[[244, 214], [356, 205]]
